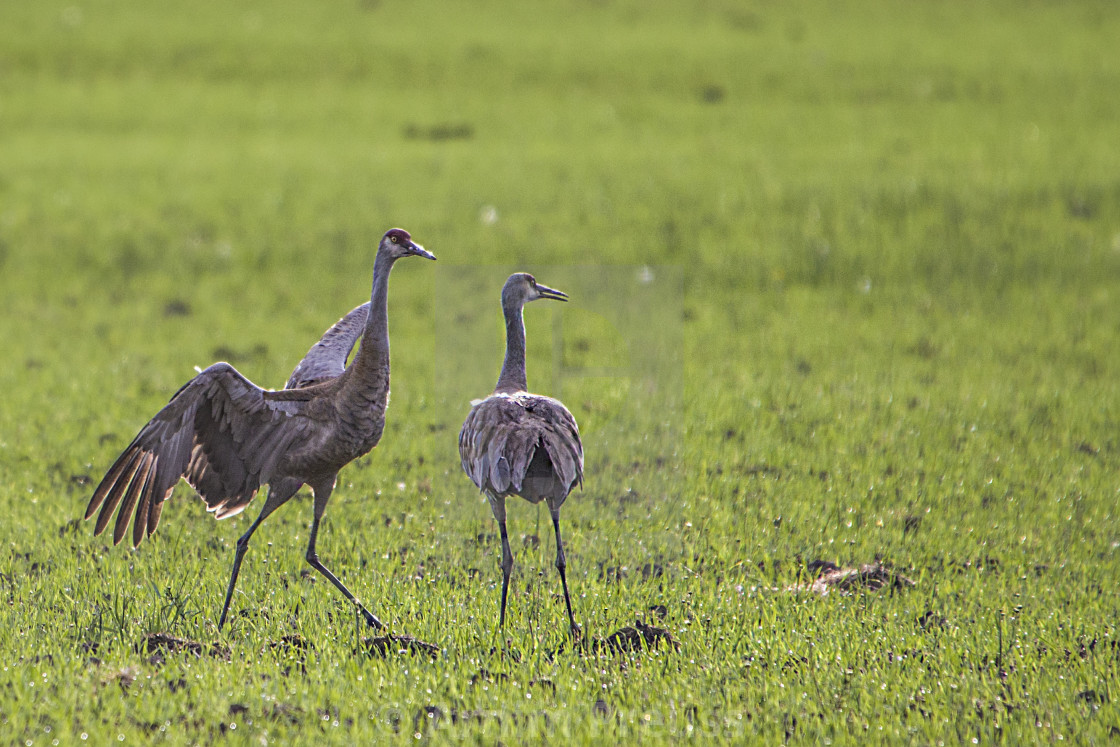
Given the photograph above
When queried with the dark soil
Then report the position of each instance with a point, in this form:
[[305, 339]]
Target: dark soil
[[640, 637], [158, 645], [398, 644]]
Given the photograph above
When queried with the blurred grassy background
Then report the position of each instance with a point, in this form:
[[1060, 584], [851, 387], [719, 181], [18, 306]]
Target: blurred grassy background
[[886, 236]]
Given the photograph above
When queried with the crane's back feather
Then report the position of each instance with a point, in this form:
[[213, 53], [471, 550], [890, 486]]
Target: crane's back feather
[[501, 441]]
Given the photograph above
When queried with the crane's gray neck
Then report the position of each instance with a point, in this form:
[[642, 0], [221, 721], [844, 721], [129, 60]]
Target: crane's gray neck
[[372, 358], [512, 378]]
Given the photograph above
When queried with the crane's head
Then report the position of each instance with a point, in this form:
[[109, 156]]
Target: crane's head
[[521, 288], [398, 243]]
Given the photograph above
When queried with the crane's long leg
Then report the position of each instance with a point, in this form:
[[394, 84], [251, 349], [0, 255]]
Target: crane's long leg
[[560, 566], [322, 495], [278, 495], [498, 506]]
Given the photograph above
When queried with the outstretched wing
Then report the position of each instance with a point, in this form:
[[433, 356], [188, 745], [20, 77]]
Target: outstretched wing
[[501, 436], [327, 358], [219, 432]]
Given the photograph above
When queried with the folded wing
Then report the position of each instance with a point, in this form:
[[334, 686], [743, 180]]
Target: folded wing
[[502, 434]]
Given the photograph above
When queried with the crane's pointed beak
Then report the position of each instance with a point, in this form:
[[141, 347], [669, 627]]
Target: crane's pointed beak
[[551, 293], [419, 251]]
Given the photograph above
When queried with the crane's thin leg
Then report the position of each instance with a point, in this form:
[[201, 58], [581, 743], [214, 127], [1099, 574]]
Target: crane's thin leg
[[560, 566], [498, 506], [322, 495], [278, 495], [507, 568]]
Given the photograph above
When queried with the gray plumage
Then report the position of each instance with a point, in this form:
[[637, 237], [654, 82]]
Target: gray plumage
[[327, 358], [226, 436], [517, 443]]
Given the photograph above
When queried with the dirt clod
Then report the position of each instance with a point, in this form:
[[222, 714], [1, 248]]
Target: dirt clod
[[290, 642], [70, 527], [930, 620], [123, 677], [400, 644], [867, 577], [485, 675], [161, 644], [543, 683], [634, 638]]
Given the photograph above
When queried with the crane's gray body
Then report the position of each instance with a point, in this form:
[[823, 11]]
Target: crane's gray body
[[226, 436], [522, 444], [518, 443]]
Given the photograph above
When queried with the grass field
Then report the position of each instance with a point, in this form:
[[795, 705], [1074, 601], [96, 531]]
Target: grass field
[[845, 285]]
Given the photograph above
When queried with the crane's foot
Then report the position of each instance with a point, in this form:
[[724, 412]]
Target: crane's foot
[[507, 651], [225, 617], [371, 619]]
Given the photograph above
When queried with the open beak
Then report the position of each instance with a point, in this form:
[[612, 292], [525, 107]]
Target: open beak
[[552, 293], [419, 251]]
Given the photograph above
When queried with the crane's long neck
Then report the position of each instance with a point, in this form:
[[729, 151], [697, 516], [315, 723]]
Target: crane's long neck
[[370, 376], [512, 378]]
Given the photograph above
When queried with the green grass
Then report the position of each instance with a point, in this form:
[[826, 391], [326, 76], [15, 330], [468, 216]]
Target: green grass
[[884, 243]]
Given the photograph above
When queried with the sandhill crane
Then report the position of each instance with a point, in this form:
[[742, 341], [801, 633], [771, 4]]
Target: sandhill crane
[[517, 443], [226, 436]]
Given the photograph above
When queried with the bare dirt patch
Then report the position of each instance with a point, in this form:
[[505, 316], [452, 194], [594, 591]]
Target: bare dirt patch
[[866, 577]]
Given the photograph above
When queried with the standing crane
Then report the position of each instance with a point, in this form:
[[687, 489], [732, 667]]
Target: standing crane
[[226, 436], [517, 443]]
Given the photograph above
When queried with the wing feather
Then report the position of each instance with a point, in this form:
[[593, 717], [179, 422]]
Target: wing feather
[[143, 502], [562, 459], [219, 432], [496, 461], [523, 444], [139, 477], [155, 508], [119, 477], [501, 436], [327, 358]]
